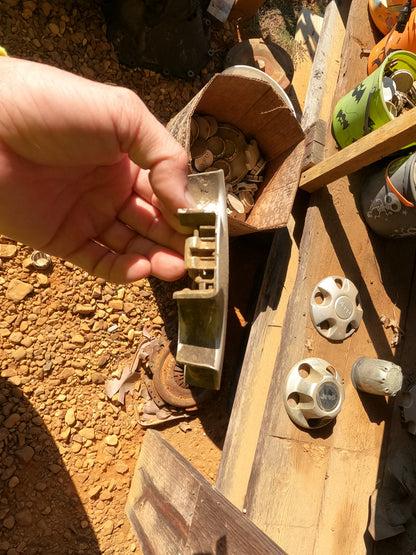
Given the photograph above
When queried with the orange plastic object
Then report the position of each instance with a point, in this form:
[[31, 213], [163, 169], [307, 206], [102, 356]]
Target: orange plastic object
[[384, 13], [394, 41]]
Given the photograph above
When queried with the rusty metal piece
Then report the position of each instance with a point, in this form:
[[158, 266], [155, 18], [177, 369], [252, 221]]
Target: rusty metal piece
[[202, 309], [169, 381], [230, 151], [199, 146], [270, 58], [224, 166], [204, 127], [254, 178], [217, 146], [203, 162], [247, 200]]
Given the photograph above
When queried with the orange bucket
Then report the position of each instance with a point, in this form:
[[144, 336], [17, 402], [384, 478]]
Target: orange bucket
[[384, 13], [393, 41]]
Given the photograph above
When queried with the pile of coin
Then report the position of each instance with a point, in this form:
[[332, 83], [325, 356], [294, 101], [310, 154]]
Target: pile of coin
[[221, 146]]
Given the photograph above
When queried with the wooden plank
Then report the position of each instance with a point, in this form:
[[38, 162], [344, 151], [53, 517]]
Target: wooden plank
[[261, 351], [310, 491], [263, 344], [389, 138], [174, 509], [308, 31], [322, 80]]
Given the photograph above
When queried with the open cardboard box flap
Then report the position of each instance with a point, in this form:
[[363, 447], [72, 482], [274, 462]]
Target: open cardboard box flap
[[255, 108]]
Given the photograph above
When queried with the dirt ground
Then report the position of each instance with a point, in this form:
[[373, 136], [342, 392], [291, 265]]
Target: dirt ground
[[67, 452]]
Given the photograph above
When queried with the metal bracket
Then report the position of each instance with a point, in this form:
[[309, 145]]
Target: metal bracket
[[202, 309]]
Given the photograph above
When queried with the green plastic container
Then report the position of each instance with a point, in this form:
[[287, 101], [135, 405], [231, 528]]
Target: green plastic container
[[364, 109]]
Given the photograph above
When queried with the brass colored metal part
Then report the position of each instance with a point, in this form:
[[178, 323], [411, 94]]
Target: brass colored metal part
[[202, 309]]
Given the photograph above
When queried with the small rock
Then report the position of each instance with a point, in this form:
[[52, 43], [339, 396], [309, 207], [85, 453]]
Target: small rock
[[116, 304], [12, 420], [13, 482], [68, 346], [24, 517], [97, 378], [96, 292], [108, 528], [65, 434], [94, 491], [18, 290], [102, 361], [128, 307], [88, 433], [111, 440], [27, 342], [40, 486], [78, 339], [19, 354], [47, 367], [25, 454], [53, 28], [43, 280], [106, 495], [121, 467], [7, 251], [37, 421], [46, 8], [54, 468], [70, 418], [9, 522], [16, 337], [84, 309]]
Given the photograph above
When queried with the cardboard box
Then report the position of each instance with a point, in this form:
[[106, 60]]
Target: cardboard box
[[255, 108]]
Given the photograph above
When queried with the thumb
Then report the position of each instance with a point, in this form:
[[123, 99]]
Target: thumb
[[152, 147]]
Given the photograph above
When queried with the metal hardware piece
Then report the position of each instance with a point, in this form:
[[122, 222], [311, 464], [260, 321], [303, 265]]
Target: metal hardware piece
[[379, 377], [335, 308], [41, 260], [313, 394], [202, 309], [169, 383]]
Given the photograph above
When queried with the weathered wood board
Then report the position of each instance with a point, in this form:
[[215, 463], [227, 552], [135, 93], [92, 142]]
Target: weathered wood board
[[391, 137], [263, 345], [310, 492], [174, 509]]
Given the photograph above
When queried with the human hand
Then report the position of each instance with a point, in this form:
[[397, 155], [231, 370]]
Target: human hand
[[88, 174]]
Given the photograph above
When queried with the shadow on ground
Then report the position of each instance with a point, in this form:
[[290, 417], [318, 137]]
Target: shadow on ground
[[40, 511]]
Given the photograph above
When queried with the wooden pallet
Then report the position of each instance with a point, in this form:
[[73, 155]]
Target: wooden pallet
[[310, 492]]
